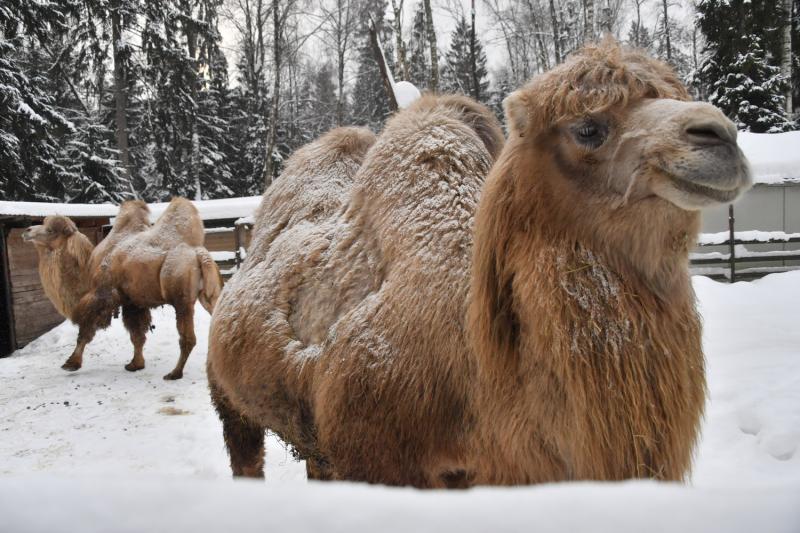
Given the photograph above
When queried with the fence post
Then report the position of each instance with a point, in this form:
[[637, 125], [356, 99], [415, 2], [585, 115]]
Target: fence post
[[731, 238], [237, 242]]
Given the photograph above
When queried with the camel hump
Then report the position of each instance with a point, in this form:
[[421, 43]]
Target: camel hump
[[314, 184], [474, 114], [348, 141], [182, 219], [133, 215]]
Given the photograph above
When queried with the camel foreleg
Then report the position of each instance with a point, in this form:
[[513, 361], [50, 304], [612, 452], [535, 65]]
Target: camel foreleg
[[137, 322], [75, 361], [93, 312]]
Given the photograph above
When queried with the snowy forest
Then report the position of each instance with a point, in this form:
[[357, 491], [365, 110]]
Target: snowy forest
[[107, 100]]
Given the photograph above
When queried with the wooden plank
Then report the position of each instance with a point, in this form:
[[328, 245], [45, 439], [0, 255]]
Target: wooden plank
[[220, 241], [36, 334]]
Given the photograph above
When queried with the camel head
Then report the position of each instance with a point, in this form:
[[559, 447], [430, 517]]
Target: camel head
[[617, 125], [52, 233]]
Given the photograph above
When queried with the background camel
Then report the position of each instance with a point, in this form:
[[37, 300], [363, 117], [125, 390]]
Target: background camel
[[389, 343], [63, 255], [137, 266]]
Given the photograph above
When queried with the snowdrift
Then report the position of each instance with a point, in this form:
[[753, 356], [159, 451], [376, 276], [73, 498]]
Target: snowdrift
[[245, 506]]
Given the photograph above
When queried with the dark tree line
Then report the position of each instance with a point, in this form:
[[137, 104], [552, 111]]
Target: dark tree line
[[105, 100]]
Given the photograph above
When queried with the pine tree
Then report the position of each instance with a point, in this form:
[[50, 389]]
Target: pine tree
[[751, 91], [418, 64], [249, 123], [319, 115], [503, 87], [179, 44], [743, 44], [457, 74], [214, 129], [30, 123]]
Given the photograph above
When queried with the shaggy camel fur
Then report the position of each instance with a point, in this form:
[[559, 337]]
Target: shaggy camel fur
[[139, 266], [63, 255], [388, 343]]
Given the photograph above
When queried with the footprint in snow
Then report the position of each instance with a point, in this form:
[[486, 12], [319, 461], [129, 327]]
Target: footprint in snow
[[749, 422], [782, 446]]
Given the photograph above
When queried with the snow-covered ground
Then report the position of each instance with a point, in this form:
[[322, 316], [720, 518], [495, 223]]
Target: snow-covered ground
[[107, 450]]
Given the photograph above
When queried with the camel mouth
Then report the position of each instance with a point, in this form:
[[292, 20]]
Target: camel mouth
[[715, 194], [690, 195]]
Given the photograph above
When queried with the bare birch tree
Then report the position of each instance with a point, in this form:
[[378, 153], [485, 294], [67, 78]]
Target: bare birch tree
[[786, 55], [433, 46]]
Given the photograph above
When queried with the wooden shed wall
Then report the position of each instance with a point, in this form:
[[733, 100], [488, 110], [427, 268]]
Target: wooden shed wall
[[31, 310]]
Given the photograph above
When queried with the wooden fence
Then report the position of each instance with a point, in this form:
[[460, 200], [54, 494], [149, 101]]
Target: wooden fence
[[740, 261]]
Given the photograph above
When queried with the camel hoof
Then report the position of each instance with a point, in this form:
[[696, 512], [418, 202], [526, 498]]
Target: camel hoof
[[70, 366], [131, 367], [173, 375]]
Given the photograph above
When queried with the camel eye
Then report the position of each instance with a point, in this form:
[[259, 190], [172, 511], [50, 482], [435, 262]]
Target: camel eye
[[589, 133]]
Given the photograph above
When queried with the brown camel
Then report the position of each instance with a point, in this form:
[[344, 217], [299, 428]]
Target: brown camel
[[63, 255], [139, 267], [390, 343]]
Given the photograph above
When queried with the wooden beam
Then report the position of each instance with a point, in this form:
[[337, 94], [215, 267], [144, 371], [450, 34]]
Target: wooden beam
[[386, 74]]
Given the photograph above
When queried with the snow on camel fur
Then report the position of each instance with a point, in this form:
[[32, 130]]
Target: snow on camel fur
[[63, 255], [389, 343], [138, 267]]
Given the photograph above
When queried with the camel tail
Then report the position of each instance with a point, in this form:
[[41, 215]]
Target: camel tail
[[212, 280]]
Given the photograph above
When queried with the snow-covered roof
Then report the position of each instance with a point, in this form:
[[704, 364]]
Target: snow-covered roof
[[43, 209], [215, 209], [209, 209], [774, 157]]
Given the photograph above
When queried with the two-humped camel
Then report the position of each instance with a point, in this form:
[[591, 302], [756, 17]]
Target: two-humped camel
[[388, 342], [138, 266]]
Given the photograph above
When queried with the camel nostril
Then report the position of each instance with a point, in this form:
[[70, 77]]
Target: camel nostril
[[710, 134]]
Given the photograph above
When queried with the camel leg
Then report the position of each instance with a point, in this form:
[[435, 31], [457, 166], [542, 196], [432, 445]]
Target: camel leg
[[318, 470], [185, 318], [93, 312], [137, 322], [244, 439], [85, 336]]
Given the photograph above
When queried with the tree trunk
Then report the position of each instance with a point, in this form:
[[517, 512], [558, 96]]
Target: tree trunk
[[473, 59], [269, 167], [340, 88], [544, 56], [666, 31], [786, 59], [194, 155], [402, 61], [588, 20], [121, 96], [556, 33], [432, 43]]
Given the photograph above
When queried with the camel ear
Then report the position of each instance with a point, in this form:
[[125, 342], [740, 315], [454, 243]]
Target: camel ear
[[516, 108]]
